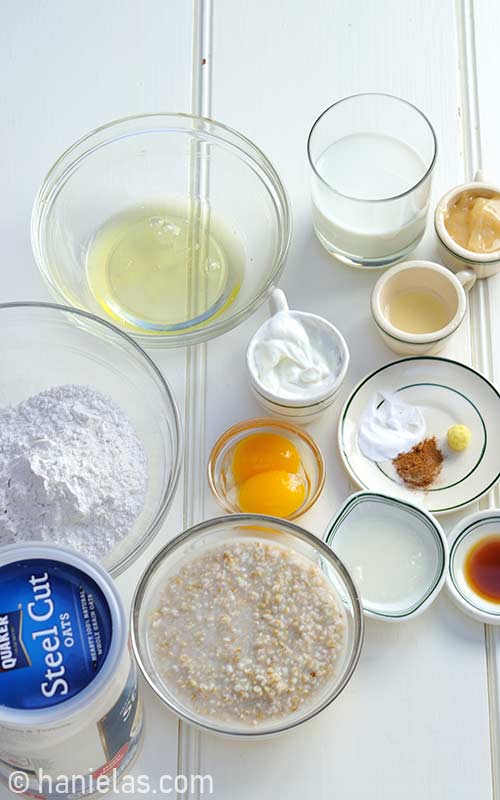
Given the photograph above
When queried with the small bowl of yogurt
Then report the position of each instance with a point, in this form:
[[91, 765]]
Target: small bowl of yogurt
[[296, 362]]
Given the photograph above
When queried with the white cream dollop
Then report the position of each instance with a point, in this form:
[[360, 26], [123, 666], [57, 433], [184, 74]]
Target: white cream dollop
[[291, 363], [388, 427]]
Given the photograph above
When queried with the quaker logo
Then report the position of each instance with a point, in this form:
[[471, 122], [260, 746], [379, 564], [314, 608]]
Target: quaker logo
[[13, 654]]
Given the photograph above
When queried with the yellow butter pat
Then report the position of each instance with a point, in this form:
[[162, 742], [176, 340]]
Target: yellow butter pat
[[459, 437]]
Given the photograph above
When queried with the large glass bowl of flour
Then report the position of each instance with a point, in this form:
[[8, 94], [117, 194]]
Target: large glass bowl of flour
[[47, 346]]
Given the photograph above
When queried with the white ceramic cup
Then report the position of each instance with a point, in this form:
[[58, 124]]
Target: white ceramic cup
[[420, 275], [453, 254], [300, 410]]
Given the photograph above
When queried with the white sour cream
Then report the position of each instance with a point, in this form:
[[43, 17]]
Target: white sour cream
[[294, 357], [389, 427]]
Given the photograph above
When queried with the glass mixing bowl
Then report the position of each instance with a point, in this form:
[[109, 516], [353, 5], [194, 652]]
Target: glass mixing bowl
[[213, 533], [46, 345], [213, 174]]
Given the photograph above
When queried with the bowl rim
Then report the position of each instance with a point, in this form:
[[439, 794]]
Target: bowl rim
[[357, 96], [160, 516], [250, 426], [255, 520], [242, 145]]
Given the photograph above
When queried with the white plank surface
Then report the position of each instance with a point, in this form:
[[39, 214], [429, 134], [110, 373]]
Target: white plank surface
[[388, 736], [484, 21], [66, 68], [487, 30], [414, 720]]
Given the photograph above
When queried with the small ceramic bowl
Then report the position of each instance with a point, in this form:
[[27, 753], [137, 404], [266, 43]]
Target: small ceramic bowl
[[427, 276], [220, 475], [464, 536], [322, 334], [377, 537], [454, 255]]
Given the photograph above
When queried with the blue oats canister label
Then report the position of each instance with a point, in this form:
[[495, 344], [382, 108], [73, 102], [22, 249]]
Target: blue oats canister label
[[55, 632]]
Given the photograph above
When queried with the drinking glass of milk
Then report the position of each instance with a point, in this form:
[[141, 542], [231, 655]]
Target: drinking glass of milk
[[372, 157]]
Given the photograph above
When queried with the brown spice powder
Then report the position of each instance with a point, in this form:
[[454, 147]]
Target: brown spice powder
[[421, 465]]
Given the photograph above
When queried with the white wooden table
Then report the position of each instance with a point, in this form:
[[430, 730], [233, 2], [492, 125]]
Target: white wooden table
[[420, 718]]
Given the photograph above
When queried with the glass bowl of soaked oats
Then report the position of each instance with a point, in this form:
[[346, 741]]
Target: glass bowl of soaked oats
[[247, 625]]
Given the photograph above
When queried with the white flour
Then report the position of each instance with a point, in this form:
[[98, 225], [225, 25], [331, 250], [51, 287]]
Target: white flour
[[72, 470]]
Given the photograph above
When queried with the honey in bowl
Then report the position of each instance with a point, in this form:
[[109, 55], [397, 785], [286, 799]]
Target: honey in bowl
[[482, 568], [473, 221]]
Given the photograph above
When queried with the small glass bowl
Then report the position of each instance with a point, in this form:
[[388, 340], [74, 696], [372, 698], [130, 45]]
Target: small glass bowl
[[47, 345], [215, 532], [219, 462], [158, 160]]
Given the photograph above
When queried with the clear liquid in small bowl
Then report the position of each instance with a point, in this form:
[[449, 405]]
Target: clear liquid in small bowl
[[162, 268]]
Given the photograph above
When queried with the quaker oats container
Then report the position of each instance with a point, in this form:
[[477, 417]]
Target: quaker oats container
[[458, 258], [69, 701]]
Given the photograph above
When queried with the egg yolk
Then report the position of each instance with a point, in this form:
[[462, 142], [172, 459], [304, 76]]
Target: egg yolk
[[275, 492], [262, 452]]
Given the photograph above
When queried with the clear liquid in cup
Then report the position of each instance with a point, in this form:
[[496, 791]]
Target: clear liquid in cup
[[161, 268]]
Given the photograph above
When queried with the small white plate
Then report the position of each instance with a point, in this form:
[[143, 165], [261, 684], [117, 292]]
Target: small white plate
[[447, 393], [469, 531]]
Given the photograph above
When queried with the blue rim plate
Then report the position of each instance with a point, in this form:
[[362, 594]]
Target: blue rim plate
[[447, 393]]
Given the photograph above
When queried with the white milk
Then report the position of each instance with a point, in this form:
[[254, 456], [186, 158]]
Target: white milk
[[369, 166], [390, 554]]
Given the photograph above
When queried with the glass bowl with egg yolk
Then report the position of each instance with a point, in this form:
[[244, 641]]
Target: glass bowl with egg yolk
[[266, 466]]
